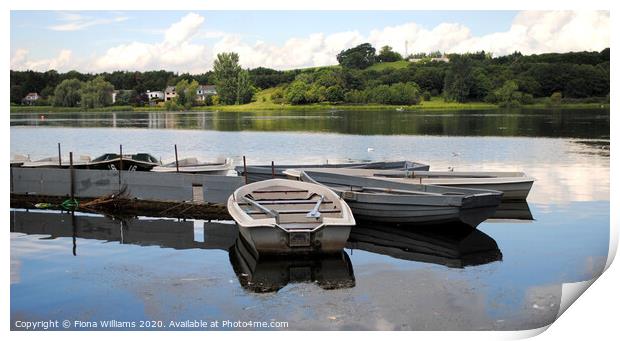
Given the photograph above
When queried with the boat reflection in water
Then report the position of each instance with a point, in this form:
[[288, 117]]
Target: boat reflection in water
[[269, 274], [165, 233], [451, 246], [516, 210]]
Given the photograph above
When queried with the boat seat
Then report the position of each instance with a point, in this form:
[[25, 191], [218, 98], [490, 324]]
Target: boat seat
[[283, 190], [294, 211], [288, 202]]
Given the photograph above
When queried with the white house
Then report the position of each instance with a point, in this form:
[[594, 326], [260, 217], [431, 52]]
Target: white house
[[30, 98], [170, 93], [154, 95], [205, 90]]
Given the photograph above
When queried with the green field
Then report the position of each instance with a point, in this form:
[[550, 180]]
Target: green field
[[401, 64]]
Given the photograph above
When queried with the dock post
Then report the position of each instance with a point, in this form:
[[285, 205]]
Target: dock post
[[273, 170], [176, 157], [59, 156], [72, 175], [120, 166], [245, 170]]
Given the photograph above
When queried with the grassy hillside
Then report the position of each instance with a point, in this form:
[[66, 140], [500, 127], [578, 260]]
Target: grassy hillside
[[401, 64]]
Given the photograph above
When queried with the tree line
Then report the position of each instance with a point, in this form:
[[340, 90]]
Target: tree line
[[508, 80]]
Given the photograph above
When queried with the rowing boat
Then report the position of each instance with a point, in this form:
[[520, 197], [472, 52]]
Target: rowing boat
[[52, 162], [218, 166], [130, 162], [264, 172], [282, 216], [515, 185], [386, 201]]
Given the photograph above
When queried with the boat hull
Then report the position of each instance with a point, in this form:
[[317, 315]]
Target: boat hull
[[270, 240], [514, 190], [404, 203]]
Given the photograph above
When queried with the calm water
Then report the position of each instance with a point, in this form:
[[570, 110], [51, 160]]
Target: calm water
[[505, 275]]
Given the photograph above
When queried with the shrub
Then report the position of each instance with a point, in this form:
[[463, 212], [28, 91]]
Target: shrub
[[555, 99]]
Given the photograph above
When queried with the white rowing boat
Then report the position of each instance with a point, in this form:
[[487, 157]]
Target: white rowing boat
[[265, 172], [52, 162], [282, 216], [385, 201], [514, 185], [218, 166]]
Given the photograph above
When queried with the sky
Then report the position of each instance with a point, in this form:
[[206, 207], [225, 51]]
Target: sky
[[188, 41]]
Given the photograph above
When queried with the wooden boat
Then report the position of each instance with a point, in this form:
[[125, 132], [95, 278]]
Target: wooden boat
[[270, 274], [130, 162], [52, 162], [218, 166], [281, 216], [451, 246], [515, 185], [386, 201], [264, 172]]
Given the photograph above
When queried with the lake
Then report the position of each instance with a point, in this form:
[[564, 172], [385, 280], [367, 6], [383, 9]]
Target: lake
[[505, 275]]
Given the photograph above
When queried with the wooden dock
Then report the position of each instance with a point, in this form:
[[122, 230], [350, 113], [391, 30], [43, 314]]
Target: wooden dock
[[126, 193]]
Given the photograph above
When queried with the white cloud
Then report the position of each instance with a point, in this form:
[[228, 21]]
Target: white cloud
[[20, 61], [175, 52], [530, 32], [76, 22]]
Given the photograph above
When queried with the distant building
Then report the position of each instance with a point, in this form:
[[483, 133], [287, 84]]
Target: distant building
[[31, 98], [205, 90], [170, 93], [155, 95]]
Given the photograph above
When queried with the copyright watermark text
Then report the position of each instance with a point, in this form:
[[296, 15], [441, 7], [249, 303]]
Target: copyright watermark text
[[145, 324]]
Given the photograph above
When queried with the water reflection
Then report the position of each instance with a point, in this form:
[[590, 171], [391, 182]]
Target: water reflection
[[179, 235], [590, 123], [453, 246], [515, 210], [269, 274]]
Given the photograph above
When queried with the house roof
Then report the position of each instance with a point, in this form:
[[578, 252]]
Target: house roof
[[32, 94], [206, 87], [171, 88]]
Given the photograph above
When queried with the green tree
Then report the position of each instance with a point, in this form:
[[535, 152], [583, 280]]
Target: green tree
[[508, 95], [226, 71], [96, 93], [458, 80], [386, 54], [245, 90], [359, 57], [296, 92], [334, 93], [555, 99], [67, 93], [233, 84], [186, 93]]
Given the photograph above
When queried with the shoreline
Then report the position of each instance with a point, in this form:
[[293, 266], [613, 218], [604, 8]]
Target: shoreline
[[430, 106]]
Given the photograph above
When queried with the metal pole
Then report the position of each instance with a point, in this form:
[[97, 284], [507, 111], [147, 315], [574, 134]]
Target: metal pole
[[72, 175], [245, 170], [273, 171], [120, 166], [176, 157], [59, 156]]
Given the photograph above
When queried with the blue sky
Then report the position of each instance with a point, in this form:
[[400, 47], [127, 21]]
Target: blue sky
[[98, 40]]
